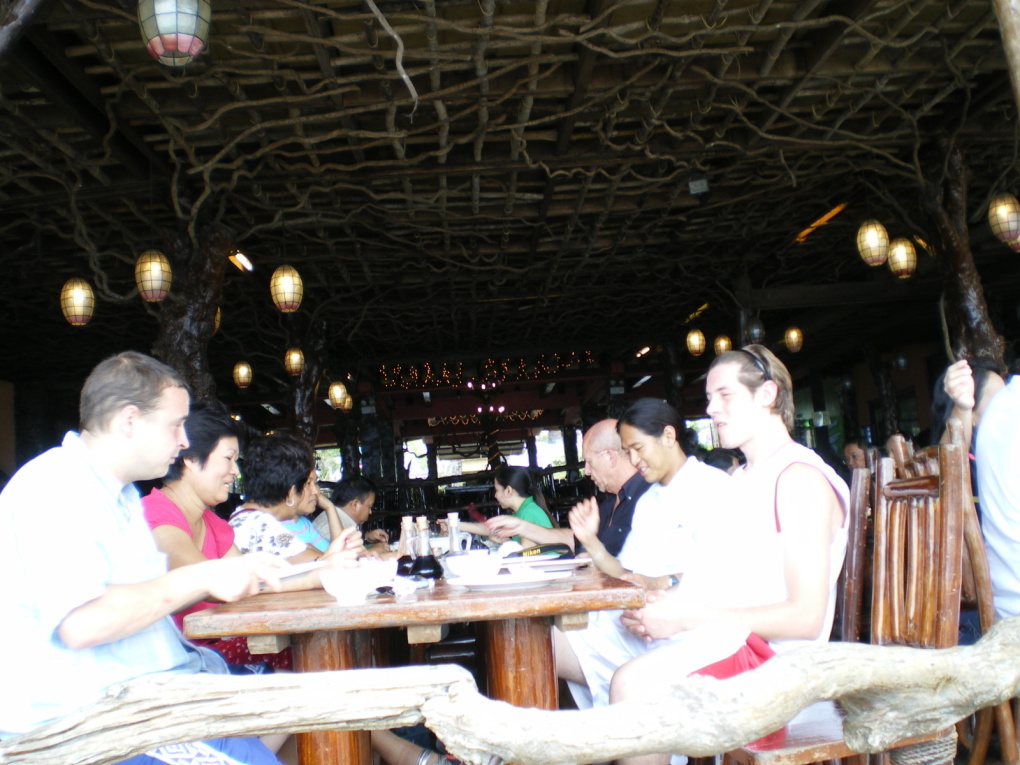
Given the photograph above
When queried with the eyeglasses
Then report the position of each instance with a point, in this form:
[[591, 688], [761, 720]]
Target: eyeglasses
[[757, 362]]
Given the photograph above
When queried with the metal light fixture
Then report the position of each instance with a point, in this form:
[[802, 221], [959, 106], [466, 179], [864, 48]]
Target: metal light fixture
[[755, 330], [722, 344], [216, 321], [153, 276], [902, 257], [242, 374], [77, 301], [873, 242], [241, 261], [696, 342], [286, 289], [174, 31], [294, 361], [794, 339], [1004, 218]]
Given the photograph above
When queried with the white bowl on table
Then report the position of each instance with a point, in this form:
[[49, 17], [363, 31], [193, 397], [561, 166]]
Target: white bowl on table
[[350, 586], [475, 564]]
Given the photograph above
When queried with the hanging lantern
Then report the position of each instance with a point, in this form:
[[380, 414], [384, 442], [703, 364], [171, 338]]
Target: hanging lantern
[[242, 374], [216, 321], [77, 301], [696, 342], [153, 276], [294, 361], [339, 398], [174, 31], [902, 257], [1004, 218], [755, 330], [722, 344], [794, 339], [287, 289], [873, 242]]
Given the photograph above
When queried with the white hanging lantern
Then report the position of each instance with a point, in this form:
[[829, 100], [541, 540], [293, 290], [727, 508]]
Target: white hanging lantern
[[696, 342], [174, 31], [286, 289], [153, 276], [873, 242], [294, 361], [77, 302], [902, 257]]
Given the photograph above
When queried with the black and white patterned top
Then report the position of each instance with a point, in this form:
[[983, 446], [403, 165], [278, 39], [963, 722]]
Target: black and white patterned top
[[258, 531]]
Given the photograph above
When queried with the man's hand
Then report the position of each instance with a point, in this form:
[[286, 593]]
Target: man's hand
[[504, 526], [584, 520], [958, 384], [237, 577], [377, 536], [650, 583], [660, 618]]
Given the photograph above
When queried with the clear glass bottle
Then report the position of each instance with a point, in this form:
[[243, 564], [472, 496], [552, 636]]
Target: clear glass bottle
[[453, 530], [426, 565], [405, 548]]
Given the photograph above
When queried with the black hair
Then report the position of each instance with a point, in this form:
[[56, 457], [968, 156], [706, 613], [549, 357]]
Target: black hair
[[354, 488], [521, 480], [273, 465], [722, 458], [860, 443], [651, 416], [208, 423]]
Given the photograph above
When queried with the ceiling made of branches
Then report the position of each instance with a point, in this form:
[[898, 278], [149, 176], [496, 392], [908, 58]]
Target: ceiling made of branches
[[461, 179]]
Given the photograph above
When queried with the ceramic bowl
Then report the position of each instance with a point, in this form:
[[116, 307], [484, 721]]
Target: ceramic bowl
[[476, 564]]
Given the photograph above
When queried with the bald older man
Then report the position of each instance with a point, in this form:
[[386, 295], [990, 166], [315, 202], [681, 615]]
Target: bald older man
[[611, 472]]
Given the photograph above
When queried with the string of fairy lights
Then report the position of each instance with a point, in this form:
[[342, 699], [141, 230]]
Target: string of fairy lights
[[521, 415], [490, 372]]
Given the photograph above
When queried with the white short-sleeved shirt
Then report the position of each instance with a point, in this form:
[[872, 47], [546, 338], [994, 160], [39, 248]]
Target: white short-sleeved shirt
[[258, 531]]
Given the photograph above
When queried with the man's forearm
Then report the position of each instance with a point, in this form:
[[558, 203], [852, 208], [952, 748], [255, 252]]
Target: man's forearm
[[125, 609]]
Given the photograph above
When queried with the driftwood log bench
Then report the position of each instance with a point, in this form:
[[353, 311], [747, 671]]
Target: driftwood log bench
[[888, 693]]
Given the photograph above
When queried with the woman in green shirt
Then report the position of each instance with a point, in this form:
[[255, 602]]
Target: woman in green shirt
[[517, 492]]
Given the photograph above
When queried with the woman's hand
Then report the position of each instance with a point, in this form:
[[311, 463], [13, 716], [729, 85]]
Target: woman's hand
[[346, 548], [502, 527], [958, 384]]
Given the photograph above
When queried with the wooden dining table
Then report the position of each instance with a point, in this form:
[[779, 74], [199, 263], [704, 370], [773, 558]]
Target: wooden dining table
[[514, 624]]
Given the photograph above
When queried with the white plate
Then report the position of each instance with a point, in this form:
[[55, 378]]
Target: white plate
[[504, 581], [556, 564], [530, 559]]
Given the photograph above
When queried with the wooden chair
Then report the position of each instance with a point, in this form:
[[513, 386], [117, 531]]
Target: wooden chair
[[976, 588], [919, 522]]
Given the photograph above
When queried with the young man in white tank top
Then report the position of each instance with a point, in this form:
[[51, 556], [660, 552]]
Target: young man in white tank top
[[781, 566]]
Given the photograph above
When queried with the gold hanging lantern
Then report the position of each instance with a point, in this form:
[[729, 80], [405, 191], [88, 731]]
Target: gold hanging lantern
[[77, 302], [902, 257], [153, 276], [1004, 218], [794, 339], [873, 242], [242, 374], [286, 288], [339, 398], [294, 361], [696, 342], [722, 344], [174, 31]]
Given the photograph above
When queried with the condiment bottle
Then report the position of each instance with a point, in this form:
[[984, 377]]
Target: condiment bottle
[[405, 561], [426, 565]]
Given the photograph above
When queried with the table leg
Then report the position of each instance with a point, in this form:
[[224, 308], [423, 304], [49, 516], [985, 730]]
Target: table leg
[[321, 651], [520, 662]]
